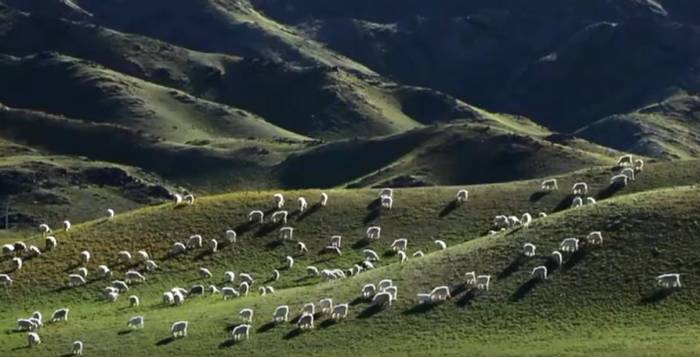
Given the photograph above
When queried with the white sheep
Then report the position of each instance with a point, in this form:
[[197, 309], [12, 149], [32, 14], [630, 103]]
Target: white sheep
[[441, 244], [539, 272], [60, 315], [281, 314], [134, 301], [204, 273], [76, 280], [124, 257], [557, 257], [231, 236], [423, 298], [279, 200], [399, 244], [501, 221], [470, 278], [229, 277], [595, 238], [37, 315], [580, 188], [367, 264], [669, 281], [577, 202], [629, 172], [289, 261], [514, 221], [177, 249], [526, 220], [340, 311], [135, 322], [143, 255], [638, 165], [302, 204], [178, 199], [402, 257], [462, 196], [382, 299], [194, 241], [5, 280], [542, 215], [244, 288], [393, 290], [374, 232], [280, 216], [246, 278], [229, 292], [134, 276], [179, 329], [16, 263], [84, 257], [590, 201], [625, 160], [110, 214], [189, 199], [103, 271], [44, 228], [33, 251], [569, 245], [549, 185], [178, 298], [418, 254], [306, 322], [66, 225], [368, 290], [324, 199], [336, 241], [312, 271], [20, 247], [241, 332], [619, 180], [384, 283], [168, 298], [387, 202], [214, 290], [179, 290], [326, 305], [440, 293], [371, 255], [529, 250], [77, 349], [50, 243], [33, 339], [483, 282], [246, 315], [256, 213], [302, 247], [213, 245], [150, 265], [333, 249], [308, 308], [286, 233], [120, 285], [275, 275], [26, 325]]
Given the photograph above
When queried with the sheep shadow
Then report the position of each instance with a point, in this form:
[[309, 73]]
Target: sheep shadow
[[243, 228], [362, 243], [62, 289], [609, 191], [371, 216], [21, 348], [230, 327], [420, 309], [375, 204], [327, 323], [524, 289], [71, 267], [295, 320], [165, 341], [370, 311], [537, 196], [574, 259], [449, 208], [67, 355], [266, 327], [357, 301], [458, 289], [511, 268], [228, 343], [466, 299], [565, 203], [124, 332], [293, 333], [303, 279], [656, 296], [311, 210], [389, 253], [267, 229], [203, 254], [274, 244]]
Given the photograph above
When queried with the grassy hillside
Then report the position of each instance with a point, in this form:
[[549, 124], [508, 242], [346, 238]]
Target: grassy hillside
[[603, 296]]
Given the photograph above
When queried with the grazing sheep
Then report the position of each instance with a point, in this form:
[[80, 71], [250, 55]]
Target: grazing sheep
[[514, 221], [275, 275], [302, 204], [279, 200], [590, 201], [462, 196], [60, 315], [557, 257], [246, 315], [135, 322], [441, 244], [539, 272], [393, 290], [302, 247], [77, 348], [312, 271], [26, 325], [542, 215], [134, 276], [124, 257], [399, 244], [440, 293], [44, 228], [470, 278], [178, 199], [374, 232], [112, 296], [189, 199], [336, 241], [340, 311], [332, 248], [422, 298], [549, 185], [50, 243], [109, 289], [195, 241], [280, 216], [386, 192], [382, 299], [246, 278], [595, 238], [33, 339], [569, 245], [103, 271], [384, 283], [308, 308], [5, 280], [37, 315], [228, 293], [178, 298], [281, 314], [229, 277], [324, 199], [580, 188], [368, 290], [286, 233], [76, 280], [20, 247], [306, 322], [150, 265], [638, 165], [625, 160], [110, 214], [244, 288], [501, 221], [577, 202], [371, 255], [197, 289], [179, 290], [214, 290], [387, 202], [179, 329], [529, 250], [526, 220], [402, 257], [418, 254], [33, 251], [84, 257], [629, 172], [256, 213], [669, 281], [168, 298], [326, 305], [619, 180], [289, 261], [177, 249], [16, 263], [134, 301], [213, 245], [204, 273], [66, 225], [367, 264], [483, 282], [143, 255], [241, 332], [120, 285]]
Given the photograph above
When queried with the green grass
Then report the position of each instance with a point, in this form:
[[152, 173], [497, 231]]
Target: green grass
[[592, 305]]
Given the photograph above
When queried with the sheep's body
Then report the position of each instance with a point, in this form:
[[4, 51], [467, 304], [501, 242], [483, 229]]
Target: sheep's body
[[213, 245], [595, 238], [399, 244], [5, 280], [440, 293], [135, 322], [229, 277], [308, 308], [110, 214], [368, 290], [387, 202], [483, 282], [60, 315], [179, 329], [50, 243], [367, 264], [619, 180], [134, 301], [134, 276], [324, 199], [246, 278], [306, 322], [340, 312], [241, 332], [569, 245], [168, 298], [382, 299], [229, 293], [33, 339], [256, 215], [629, 172], [470, 279], [549, 185], [177, 249], [37, 315], [178, 298], [402, 257], [178, 199], [150, 265], [286, 233], [669, 281], [84, 257], [77, 349], [76, 280], [333, 249], [278, 198], [281, 314], [336, 241], [384, 283], [189, 199], [103, 271], [26, 325], [16, 263], [204, 273], [44, 228], [8, 250], [112, 296], [197, 289], [289, 261], [539, 272], [388, 192], [303, 205], [625, 160], [326, 305], [244, 288], [462, 196], [194, 241], [526, 220], [577, 202], [393, 290], [441, 244], [557, 257], [371, 255], [312, 271], [120, 285], [580, 188], [638, 165], [501, 221], [591, 201], [418, 254], [374, 232], [246, 315], [529, 250], [143, 255], [231, 236], [66, 225], [124, 257], [542, 214], [280, 216]]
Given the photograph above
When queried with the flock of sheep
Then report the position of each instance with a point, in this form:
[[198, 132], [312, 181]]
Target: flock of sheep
[[381, 295]]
